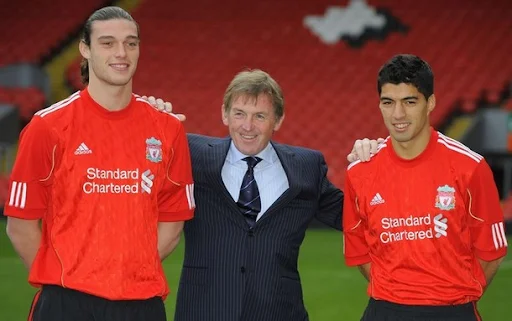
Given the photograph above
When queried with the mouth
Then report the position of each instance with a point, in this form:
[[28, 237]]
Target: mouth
[[120, 67], [400, 127], [248, 137]]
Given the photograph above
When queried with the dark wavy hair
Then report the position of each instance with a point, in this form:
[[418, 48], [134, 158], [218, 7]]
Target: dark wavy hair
[[407, 69]]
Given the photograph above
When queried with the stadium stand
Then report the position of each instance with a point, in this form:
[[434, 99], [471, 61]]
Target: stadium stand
[[190, 51], [34, 29]]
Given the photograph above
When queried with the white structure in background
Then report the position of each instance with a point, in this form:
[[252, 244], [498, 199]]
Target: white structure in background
[[344, 21]]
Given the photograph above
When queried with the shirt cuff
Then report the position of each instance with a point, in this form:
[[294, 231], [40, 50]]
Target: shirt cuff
[[176, 216], [24, 214], [358, 260], [489, 256]]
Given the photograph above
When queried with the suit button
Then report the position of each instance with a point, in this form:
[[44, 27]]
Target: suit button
[[251, 233], [242, 269]]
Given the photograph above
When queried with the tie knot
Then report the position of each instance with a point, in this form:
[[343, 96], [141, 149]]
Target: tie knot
[[252, 161]]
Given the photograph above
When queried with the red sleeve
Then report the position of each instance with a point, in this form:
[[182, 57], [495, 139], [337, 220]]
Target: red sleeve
[[31, 176], [486, 216], [355, 248], [176, 199]]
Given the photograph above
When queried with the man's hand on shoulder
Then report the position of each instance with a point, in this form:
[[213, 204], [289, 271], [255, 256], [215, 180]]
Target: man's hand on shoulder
[[165, 107], [363, 149]]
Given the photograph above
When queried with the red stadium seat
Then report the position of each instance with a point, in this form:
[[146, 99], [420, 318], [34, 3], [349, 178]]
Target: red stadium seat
[[191, 50]]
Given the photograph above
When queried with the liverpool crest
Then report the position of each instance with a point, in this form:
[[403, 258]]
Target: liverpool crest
[[445, 199], [153, 150]]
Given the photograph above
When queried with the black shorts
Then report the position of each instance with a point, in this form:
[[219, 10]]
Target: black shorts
[[386, 311], [54, 303]]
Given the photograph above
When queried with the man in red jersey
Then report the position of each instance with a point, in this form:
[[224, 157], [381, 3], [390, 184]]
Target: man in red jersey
[[422, 220], [110, 179]]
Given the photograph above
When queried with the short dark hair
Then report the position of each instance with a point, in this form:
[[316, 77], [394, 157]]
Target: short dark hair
[[103, 14], [407, 69]]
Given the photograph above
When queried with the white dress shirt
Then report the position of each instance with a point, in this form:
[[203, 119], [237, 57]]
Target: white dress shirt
[[268, 173]]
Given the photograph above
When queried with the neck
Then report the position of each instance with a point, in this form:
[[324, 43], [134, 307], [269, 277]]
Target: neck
[[414, 147], [112, 98]]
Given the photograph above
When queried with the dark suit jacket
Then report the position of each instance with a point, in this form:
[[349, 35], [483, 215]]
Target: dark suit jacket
[[233, 273]]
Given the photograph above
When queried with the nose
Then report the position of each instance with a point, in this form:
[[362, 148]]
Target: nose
[[399, 111], [247, 124], [120, 51]]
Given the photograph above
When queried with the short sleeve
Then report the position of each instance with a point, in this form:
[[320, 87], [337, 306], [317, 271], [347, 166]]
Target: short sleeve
[[486, 215], [31, 177], [176, 199], [355, 247]]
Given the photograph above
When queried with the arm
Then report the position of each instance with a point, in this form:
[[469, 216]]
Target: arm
[[490, 269], [168, 237], [355, 247], [25, 236], [29, 185], [176, 199], [486, 221], [331, 200], [365, 270]]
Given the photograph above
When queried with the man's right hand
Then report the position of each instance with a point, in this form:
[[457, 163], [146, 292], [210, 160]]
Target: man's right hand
[[162, 106]]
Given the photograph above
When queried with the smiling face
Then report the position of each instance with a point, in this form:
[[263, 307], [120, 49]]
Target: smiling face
[[406, 114], [251, 122], [113, 53]]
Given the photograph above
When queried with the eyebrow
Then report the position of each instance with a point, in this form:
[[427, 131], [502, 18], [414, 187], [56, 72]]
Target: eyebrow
[[131, 37], [405, 98]]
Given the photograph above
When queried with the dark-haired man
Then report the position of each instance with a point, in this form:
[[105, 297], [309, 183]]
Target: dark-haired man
[[422, 219]]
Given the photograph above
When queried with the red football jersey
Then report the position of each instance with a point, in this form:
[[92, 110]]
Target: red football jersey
[[423, 223], [101, 181]]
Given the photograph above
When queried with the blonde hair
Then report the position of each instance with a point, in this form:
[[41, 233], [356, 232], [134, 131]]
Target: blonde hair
[[252, 83]]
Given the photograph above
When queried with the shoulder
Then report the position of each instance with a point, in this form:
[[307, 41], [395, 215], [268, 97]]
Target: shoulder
[[163, 116], [298, 150], [55, 112], [458, 153]]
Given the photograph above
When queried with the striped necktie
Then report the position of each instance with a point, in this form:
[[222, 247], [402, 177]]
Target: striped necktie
[[249, 200]]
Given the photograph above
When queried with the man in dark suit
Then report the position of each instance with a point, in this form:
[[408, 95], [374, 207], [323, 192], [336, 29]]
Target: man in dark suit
[[254, 201]]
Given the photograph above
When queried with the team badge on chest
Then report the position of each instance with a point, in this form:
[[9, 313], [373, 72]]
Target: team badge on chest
[[153, 150], [445, 199]]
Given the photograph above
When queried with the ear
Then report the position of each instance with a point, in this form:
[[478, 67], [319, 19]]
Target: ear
[[278, 123], [85, 51], [224, 113], [431, 103]]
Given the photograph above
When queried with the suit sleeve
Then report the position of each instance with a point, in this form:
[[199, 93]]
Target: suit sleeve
[[331, 200], [486, 215], [355, 247], [32, 174], [176, 199]]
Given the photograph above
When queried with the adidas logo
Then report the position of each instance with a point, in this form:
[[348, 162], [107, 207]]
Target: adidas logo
[[377, 199], [82, 150]]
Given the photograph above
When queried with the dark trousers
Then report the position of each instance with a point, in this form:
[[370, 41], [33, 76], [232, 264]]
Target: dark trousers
[[54, 303], [386, 311]]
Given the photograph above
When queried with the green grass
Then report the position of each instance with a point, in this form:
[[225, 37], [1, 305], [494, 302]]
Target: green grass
[[332, 291]]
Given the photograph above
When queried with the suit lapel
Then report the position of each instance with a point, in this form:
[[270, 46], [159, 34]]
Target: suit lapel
[[213, 164], [287, 158]]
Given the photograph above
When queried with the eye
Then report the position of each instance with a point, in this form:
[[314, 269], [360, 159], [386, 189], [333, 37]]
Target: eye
[[261, 117], [133, 44], [410, 102], [107, 44]]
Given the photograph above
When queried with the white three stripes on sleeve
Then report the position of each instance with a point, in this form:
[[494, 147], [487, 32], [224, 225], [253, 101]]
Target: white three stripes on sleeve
[[190, 196], [498, 235], [18, 195]]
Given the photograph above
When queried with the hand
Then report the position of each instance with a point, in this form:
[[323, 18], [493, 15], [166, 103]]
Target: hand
[[363, 149], [162, 106]]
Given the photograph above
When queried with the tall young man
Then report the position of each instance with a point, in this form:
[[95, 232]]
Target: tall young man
[[108, 178]]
